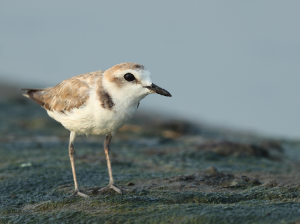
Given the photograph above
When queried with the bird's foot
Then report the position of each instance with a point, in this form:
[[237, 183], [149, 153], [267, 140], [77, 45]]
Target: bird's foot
[[111, 186], [78, 193]]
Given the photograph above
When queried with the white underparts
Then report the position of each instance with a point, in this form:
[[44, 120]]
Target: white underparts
[[92, 118]]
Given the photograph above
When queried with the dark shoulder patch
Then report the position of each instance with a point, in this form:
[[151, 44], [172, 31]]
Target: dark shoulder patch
[[104, 97], [138, 105], [106, 100]]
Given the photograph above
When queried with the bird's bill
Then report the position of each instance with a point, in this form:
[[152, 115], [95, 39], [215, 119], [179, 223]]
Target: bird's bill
[[156, 89]]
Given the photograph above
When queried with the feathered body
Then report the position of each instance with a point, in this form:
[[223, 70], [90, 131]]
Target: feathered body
[[95, 103]]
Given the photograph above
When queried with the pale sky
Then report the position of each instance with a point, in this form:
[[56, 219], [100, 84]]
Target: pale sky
[[233, 63]]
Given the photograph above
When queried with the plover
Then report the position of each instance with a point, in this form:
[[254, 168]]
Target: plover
[[97, 103]]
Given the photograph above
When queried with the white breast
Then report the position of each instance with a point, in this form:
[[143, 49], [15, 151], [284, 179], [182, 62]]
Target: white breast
[[92, 118]]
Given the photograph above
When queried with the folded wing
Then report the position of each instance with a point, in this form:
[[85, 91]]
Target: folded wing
[[65, 96]]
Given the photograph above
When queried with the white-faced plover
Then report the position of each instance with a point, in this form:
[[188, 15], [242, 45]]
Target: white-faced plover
[[97, 103]]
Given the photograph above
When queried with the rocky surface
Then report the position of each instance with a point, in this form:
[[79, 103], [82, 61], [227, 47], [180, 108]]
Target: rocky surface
[[174, 172]]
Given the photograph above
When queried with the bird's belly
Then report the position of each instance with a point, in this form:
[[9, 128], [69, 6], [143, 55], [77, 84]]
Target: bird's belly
[[94, 119]]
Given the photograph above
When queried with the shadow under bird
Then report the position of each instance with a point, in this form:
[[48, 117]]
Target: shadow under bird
[[96, 103]]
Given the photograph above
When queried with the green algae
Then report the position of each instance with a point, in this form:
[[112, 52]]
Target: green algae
[[169, 183], [187, 213]]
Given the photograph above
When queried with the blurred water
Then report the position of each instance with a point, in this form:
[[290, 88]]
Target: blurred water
[[232, 63]]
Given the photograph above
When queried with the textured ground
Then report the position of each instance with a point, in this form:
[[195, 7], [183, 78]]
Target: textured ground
[[175, 172]]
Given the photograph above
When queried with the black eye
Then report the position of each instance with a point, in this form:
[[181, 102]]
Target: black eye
[[129, 77]]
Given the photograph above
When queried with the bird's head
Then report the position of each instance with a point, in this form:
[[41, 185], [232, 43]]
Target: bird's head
[[130, 80]]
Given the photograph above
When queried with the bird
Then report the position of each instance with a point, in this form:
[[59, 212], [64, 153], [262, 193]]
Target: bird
[[97, 103]]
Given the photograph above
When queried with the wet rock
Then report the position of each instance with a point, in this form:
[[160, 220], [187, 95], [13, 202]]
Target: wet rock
[[226, 148], [178, 126], [227, 180], [95, 190], [215, 179], [295, 187], [255, 182], [272, 145], [13, 196], [182, 178], [130, 184], [161, 169], [186, 178], [145, 142], [245, 178], [272, 183], [211, 170]]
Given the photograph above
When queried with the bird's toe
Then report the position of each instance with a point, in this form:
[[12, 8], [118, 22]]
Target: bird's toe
[[118, 190], [78, 193]]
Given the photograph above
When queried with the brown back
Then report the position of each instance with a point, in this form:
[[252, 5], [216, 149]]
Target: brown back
[[67, 95]]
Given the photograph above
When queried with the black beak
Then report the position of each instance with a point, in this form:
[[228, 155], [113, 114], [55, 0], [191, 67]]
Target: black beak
[[158, 90]]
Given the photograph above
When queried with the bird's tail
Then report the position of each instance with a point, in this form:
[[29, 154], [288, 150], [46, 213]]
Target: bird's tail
[[35, 95]]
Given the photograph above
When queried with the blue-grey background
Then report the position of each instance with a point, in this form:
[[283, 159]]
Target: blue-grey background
[[232, 63]]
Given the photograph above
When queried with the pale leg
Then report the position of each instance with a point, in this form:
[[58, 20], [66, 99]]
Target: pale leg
[[111, 179], [71, 154]]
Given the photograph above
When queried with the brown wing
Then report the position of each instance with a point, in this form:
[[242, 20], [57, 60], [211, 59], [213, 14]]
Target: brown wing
[[65, 96]]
